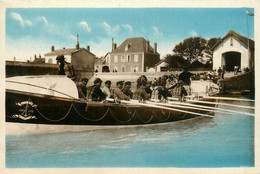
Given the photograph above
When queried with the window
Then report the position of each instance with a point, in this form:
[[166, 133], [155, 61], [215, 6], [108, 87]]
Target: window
[[107, 59], [115, 69], [123, 58], [127, 46], [128, 58], [115, 58], [136, 58], [134, 68], [50, 60], [123, 68], [231, 42]]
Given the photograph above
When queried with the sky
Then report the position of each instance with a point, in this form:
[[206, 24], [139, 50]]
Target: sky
[[31, 31]]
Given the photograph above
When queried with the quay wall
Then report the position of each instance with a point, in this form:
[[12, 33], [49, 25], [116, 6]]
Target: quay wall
[[15, 68], [244, 83]]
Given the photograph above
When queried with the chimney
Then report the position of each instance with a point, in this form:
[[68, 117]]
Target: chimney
[[52, 48], [155, 47], [114, 48], [35, 57], [88, 48], [112, 44], [147, 45], [77, 45]]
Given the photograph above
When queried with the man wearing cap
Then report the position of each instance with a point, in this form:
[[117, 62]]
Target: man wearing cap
[[118, 93], [60, 60], [140, 93], [69, 67], [82, 89], [127, 89], [163, 92], [106, 89], [96, 93]]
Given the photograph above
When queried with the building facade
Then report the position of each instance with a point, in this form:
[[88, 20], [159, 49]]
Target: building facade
[[81, 59], [102, 64], [233, 50], [133, 55]]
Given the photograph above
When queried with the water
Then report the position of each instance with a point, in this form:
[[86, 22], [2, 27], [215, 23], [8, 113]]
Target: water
[[222, 141]]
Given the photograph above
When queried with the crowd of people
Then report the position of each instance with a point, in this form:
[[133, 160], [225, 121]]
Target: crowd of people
[[160, 88]]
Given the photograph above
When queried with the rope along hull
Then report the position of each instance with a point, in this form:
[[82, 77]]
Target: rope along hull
[[22, 107]]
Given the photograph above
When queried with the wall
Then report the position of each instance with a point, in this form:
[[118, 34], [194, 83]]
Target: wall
[[83, 63], [14, 68], [225, 47], [240, 83]]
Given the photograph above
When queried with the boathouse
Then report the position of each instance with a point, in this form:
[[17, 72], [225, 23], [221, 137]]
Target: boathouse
[[233, 50], [133, 55]]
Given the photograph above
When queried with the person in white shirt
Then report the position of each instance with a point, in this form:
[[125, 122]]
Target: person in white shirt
[[106, 89]]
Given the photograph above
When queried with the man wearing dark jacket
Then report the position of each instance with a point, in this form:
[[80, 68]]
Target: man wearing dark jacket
[[185, 78], [96, 93]]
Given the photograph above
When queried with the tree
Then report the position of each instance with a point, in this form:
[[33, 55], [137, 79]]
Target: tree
[[175, 61], [190, 49]]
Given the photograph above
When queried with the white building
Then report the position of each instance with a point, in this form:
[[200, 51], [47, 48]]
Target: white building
[[232, 50], [161, 66]]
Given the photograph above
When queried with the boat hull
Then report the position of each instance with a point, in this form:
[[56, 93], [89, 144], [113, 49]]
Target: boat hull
[[22, 107]]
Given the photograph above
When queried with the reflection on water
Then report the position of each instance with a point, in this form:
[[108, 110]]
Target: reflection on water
[[222, 141]]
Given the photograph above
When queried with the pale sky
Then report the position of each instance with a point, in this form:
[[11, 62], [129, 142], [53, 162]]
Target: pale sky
[[31, 31]]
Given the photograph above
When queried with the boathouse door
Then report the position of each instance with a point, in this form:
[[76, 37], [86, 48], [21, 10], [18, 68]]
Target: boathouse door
[[231, 59]]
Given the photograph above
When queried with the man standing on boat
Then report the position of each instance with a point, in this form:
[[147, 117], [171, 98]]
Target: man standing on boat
[[118, 93], [61, 61], [185, 76], [69, 68]]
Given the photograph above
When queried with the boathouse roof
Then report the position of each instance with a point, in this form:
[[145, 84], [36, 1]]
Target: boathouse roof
[[242, 39]]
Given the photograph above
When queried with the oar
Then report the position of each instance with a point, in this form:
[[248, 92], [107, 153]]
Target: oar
[[166, 108], [228, 98], [208, 107], [199, 107], [187, 107], [224, 104], [207, 102]]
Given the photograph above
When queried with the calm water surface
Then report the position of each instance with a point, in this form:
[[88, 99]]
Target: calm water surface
[[222, 141]]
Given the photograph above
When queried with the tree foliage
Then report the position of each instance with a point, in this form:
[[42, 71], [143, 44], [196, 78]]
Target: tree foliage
[[191, 50]]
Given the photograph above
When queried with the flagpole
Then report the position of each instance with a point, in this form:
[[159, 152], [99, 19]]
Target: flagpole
[[249, 62]]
